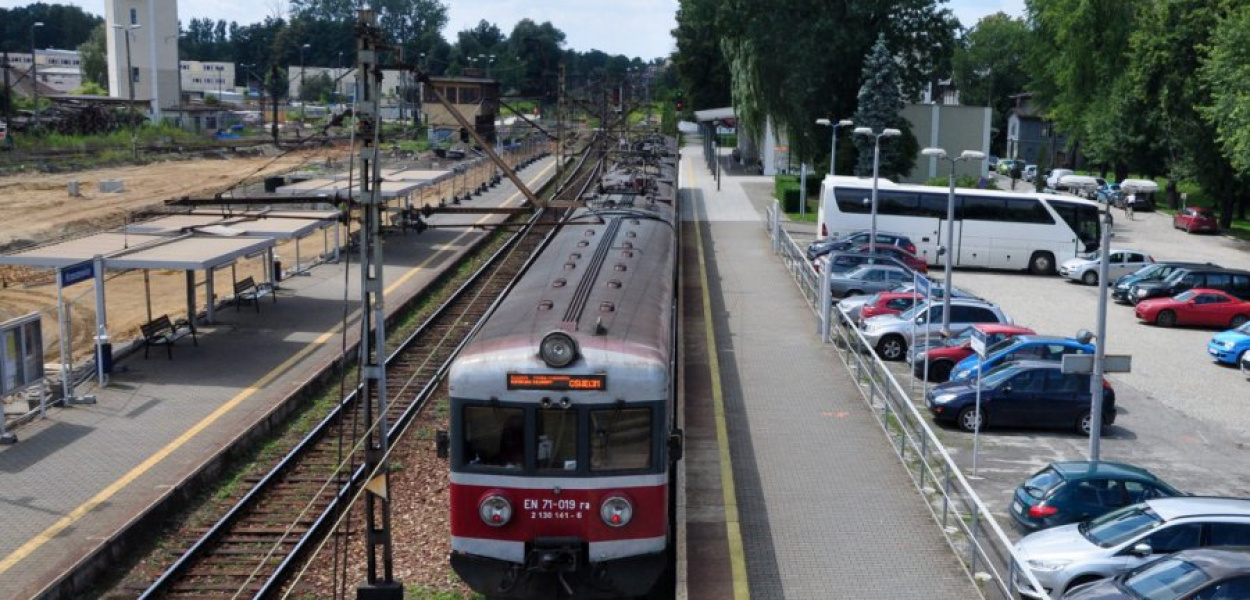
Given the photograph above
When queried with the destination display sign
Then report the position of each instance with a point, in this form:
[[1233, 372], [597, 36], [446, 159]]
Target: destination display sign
[[556, 382]]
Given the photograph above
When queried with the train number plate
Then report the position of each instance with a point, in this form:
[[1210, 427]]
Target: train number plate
[[557, 382]]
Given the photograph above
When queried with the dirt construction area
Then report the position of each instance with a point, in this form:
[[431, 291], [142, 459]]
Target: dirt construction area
[[38, 208]]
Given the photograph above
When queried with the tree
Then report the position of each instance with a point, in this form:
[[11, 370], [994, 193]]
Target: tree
[[1224, 74], [537, 48], [699, 61], [64, 26], [94, 56], [880, 107], [317, 87]]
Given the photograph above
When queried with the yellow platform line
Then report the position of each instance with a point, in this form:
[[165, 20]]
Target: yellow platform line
[[733, 528], [148, 464]]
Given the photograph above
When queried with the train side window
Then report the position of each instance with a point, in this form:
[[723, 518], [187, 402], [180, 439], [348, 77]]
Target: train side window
[[494, 437], [620, 439], [557, 440]]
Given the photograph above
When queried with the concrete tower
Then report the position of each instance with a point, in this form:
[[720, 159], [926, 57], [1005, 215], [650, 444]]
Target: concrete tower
[[153, 29]]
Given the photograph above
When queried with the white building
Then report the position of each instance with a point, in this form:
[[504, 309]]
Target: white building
[[60, 70], [153, 75], [201, 77]]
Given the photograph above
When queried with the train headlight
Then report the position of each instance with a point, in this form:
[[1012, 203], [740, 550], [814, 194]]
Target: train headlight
[[558, 349], [616, 511], [495, 510]]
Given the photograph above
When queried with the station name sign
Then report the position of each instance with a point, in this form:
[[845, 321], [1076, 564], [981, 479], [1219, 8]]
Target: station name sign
[[556, 382]]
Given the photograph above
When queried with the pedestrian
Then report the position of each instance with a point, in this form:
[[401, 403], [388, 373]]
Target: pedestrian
[[1128, 205]]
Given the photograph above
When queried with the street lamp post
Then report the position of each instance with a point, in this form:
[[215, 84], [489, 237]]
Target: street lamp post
[[876, 164], [34, 70], [833, 153], [301, 75], [947, 259], [130, 86]]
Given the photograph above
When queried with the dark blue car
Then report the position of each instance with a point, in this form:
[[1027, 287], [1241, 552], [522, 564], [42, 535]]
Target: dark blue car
[[1020, 347], [1021, 394], [1073, 491]]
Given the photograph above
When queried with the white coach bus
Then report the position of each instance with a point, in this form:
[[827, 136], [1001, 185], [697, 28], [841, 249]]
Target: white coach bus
[[992, 229]]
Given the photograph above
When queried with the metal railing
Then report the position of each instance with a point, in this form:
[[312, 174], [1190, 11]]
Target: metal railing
[[972, 531]]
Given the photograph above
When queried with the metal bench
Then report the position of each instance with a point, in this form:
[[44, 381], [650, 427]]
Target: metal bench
[[163, 332], [248, 291]]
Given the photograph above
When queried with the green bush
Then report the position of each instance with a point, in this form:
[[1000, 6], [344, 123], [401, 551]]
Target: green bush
[[786, 189], [965, 181], [727, 140]]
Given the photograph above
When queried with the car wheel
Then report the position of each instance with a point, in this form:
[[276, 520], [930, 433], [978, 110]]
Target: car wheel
[[1166, 318], [940, 371], [1238, 321], [1084, 423], [970, 419], [1042, 263], [1089, 278], [892, 347], [1080, 581]]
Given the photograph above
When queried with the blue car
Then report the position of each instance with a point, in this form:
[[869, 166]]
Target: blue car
[[1021, 347], [1022, 394], [1230, 346]]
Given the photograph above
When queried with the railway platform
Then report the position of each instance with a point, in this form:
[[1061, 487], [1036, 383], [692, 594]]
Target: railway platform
[[84, 474], [791, 489]]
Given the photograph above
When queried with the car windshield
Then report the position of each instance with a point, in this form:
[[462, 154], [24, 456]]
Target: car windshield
[[1167, 579], [1245, 328], [1041, 483], [1148, 270], [858, 272], [1176, 276], [996, 376], [1185, 296], [1001, 345], [1116, 527]]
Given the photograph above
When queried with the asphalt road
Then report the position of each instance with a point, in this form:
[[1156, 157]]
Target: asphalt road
[[1181, 415]]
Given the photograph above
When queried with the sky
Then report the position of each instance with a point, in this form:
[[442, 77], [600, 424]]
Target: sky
[[631, 27]]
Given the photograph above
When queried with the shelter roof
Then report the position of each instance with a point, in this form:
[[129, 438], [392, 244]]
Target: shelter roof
[[255, 224], [72, 252], [137, 251], [714, 114]]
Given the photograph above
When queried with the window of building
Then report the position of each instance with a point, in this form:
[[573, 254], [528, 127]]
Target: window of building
[[470, 95], [134, 16], [134, 74]]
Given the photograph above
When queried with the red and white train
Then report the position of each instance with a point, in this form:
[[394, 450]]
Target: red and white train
[[563, 433]]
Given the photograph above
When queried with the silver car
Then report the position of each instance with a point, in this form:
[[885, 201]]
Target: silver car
[[1123, 262], [868, 279], [1071, 555], [891, 335]]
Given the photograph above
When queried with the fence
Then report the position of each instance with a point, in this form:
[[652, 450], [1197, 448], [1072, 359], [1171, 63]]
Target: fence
[[968, 525]]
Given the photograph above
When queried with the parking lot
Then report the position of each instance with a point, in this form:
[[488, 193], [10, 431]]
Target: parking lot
[[1181, 415]]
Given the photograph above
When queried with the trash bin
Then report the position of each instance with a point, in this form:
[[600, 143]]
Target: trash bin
[[105, 357], [277, 270], [273, 183]]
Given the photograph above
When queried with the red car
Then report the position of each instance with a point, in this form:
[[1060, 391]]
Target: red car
[[943, 357], [887, 303], [1196, 219], [912, 261], [1199, 306]]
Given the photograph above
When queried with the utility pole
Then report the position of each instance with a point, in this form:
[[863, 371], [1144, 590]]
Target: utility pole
[[8, 101], [380, 583], [34, 70], [273, 92]]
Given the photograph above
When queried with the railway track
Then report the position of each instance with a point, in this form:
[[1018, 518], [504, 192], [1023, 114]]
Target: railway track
[[254, 549]]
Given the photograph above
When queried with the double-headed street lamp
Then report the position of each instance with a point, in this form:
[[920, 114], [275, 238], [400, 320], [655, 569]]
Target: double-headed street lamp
[[947, 248], [876, 164], [833, 154], [34, 69], [301, 74], [130, 86]]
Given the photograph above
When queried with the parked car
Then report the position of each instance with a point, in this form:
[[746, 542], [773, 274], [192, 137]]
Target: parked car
[[1200, 306], [888, 303], [1123, 262], [941, 359], [824, 246], [891, 335], [1008, 166], [1029, 173], [1231, 346], [868, 279], [1073, 491], [841, 262], [1154, 272], [1052, 179], [1021, 347], [1030, 393], [1199, 574], [1109, 194], [1245, 365], [854, 304], [912, 261], [1071, 555], [992, 162], [1233, 281], [1195, 219]]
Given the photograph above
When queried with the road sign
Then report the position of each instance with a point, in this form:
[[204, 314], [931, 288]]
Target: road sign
[[1084, 363], [923, 285], [77, 273], [978, 342]]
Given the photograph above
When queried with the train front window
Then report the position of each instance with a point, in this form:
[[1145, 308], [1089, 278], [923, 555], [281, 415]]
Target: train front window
[[494, 437], [620, 439], [557, 440]]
